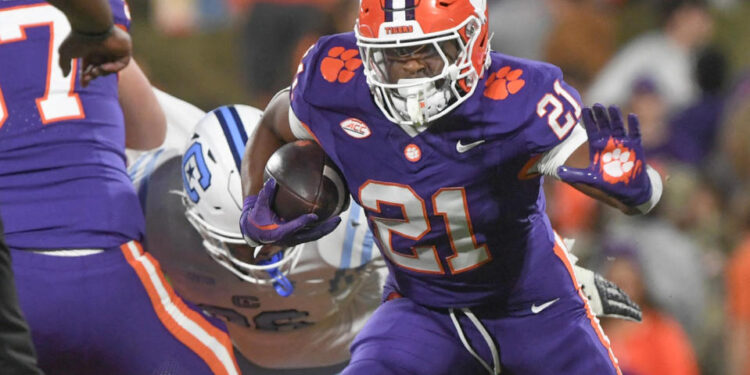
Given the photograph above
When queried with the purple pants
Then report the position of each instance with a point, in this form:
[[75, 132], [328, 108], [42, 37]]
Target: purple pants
[[558, 336], [113, 313]]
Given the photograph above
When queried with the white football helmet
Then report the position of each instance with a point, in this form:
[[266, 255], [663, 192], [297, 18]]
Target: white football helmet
[[454, 31], [213, 192]]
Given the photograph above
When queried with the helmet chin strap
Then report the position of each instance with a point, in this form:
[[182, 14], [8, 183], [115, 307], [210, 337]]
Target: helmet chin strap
[[420, 100]]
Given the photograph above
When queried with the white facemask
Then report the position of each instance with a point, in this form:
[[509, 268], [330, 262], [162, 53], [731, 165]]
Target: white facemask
[[419, 100]]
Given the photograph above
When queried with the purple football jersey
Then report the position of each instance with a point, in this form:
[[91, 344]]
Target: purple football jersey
[[457, 223], [63, 181]]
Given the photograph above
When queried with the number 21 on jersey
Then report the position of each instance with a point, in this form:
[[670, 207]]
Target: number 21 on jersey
[[450, 203], [557, 110], [59, 102]]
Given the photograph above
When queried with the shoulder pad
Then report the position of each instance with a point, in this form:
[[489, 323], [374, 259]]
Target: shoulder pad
[[512, 85], [329, 75], [528, 96]]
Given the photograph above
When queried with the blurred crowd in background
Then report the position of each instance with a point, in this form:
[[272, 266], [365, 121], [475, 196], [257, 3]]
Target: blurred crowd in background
[[682, 66]]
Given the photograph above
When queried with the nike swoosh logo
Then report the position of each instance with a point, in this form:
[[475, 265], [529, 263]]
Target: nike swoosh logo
[[537, 309], [461, 148]]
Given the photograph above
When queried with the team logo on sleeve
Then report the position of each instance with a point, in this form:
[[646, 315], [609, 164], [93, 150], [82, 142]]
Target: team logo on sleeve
[[340, 64], [504, 83]]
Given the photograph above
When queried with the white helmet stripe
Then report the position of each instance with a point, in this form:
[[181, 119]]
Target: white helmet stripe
[[399, 14]]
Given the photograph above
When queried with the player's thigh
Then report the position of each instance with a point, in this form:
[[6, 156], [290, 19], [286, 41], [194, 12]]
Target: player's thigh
[[171, 335], [404, 338], [562, 339]]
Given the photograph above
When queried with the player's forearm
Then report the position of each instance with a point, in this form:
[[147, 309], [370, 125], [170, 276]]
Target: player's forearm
[[259, 150], [632, 209], [145, 122], [272, 132], [86, 16], [579, 159], [574, 153], [604, 198]]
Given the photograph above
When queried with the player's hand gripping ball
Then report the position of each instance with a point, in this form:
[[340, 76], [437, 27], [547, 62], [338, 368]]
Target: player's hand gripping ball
[[617, 161], [301, 199]]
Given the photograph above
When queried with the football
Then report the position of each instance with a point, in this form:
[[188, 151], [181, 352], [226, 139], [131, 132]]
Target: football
[[307, 181]]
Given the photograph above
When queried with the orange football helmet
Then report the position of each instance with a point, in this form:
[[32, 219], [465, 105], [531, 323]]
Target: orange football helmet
[[454, 30]]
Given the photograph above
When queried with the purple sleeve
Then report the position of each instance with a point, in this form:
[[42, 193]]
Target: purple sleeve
[[556, 111], [121, 13], [329, 80], [302, 82]]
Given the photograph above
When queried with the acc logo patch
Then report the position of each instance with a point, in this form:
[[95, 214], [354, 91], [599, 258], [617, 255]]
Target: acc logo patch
[[340, 64], [355, 128], [503, 83]]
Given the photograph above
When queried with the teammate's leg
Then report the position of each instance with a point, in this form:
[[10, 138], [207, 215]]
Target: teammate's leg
[[113, 313]]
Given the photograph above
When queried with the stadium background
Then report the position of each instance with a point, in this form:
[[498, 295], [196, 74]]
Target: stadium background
[[688, 263]]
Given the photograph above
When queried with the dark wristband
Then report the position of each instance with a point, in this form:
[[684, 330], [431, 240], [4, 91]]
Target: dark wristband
[[94, 37]]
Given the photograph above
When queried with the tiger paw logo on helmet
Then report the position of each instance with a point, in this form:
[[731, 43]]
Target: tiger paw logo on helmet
[[504, 83], [340, 64], [618, 163]]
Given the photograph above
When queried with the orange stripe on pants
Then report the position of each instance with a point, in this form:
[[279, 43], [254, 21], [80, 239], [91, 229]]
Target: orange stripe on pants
[[561, 253], [211, 344]]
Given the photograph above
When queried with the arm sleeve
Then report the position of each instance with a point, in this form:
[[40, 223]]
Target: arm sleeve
[[300, 109], [548, 163], [299, 130], [306, 94], [554, 115]]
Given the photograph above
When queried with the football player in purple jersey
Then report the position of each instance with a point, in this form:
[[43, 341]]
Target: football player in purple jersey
[[445, 144], [298, 312], [17, 354], [95, 303]]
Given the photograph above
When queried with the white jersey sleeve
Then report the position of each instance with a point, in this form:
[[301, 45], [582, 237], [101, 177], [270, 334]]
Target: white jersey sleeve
[[298, 129], [181, 119]]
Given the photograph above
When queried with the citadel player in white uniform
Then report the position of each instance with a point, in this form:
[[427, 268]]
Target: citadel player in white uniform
[[190, 192], [192, 206]]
